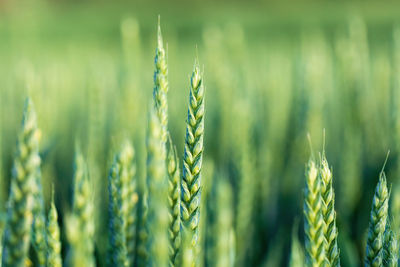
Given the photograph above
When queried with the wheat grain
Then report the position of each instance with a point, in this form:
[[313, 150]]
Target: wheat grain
[[21, 200]]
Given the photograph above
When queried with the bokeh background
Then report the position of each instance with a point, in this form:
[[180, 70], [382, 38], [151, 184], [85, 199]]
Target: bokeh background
[[274, 71]]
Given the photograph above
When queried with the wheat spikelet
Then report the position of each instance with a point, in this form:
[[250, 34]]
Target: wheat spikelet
[[158, 221], [53, 237], [329, 214], [192, 161], [377, 224], [313, 219], [174, 201], [21, 200]]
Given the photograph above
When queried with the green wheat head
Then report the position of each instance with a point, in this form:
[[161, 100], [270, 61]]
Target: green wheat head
[[192, 161], [117, 255], [174, 201], [127, 171], [158, 221], [329, 214], [21, 199], [53, 252], [313, 218], [391, 248], [161, 85], [377, 224], [80, 225], [39, 222]]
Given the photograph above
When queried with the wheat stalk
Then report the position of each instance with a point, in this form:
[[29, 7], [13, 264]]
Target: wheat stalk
[[80, 225], [174, 201], [313, 218], [53, 252], [329, 214], [21, 199], [158, 221], [192, 161], [377, 224]]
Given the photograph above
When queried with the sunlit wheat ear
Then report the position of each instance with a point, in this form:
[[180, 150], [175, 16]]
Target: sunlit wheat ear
[[174, 201], [391, 248], [21, 199], [329, 214], [161, 84], [117, 255], [157, 182], [53, 237], [377, 224], [313, 218], [192, 161]]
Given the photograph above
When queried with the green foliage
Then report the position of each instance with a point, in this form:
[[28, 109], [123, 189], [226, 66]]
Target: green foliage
[[391, 248], [22, 191]]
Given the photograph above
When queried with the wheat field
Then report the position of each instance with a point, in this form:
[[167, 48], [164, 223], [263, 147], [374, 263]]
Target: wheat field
[[199, 133]]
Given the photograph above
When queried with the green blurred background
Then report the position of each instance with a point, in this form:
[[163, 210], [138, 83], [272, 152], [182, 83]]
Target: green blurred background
[[274, 71]]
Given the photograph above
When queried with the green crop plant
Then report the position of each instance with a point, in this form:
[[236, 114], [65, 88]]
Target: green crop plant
[[378, 220], [174, 203], [53, 253], [22, 192], [192, 161], [80, 224], [313, 217], [329, 214], [117, 255], [39, 222], [158, 215]]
